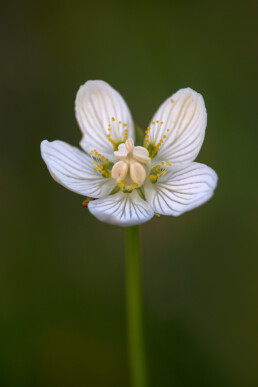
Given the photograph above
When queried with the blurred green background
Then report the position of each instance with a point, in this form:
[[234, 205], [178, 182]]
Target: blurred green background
[[61, 271]]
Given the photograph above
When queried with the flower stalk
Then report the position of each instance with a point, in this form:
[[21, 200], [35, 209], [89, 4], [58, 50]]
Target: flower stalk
[[137, 360]]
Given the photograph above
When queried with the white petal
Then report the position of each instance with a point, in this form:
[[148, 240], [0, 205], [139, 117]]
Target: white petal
[[182, 189], [184, 114], [121, 209], [73, 169], [96, 103]]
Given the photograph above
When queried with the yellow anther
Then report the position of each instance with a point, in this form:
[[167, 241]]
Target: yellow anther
[[158, 171], [150, 143], [172, 100], [101, 163], [115, 137], [123, 186]]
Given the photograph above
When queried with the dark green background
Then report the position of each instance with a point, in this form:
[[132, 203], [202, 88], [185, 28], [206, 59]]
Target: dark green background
[[61, 271]]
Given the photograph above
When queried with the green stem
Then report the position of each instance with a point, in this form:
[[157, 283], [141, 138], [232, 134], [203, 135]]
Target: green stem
[[134, 308]]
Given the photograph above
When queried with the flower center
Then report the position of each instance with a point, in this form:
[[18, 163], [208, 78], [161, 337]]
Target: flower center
[[133, 163], [131, 168]]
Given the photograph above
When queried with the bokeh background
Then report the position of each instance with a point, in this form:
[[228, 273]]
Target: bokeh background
[[61, 271]]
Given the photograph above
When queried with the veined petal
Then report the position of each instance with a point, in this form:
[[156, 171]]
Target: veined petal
[[181, 189], [73, 169], [121, 209], [95, 105], [184, 120]]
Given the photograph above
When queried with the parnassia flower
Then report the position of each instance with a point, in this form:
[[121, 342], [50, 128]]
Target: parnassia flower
[[130, 184]]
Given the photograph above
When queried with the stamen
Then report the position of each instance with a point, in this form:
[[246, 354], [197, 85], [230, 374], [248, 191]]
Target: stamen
[[158, 171], [127, 188], [117, 132], [150, 140], [102, 164]]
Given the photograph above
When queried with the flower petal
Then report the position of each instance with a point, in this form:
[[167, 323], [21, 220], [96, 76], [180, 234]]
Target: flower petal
[[181, 189], [95, 105], [184, 114], [121, 209], [73, 169]]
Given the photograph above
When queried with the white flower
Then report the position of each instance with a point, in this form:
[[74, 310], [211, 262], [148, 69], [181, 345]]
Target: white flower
[[132, 183]]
